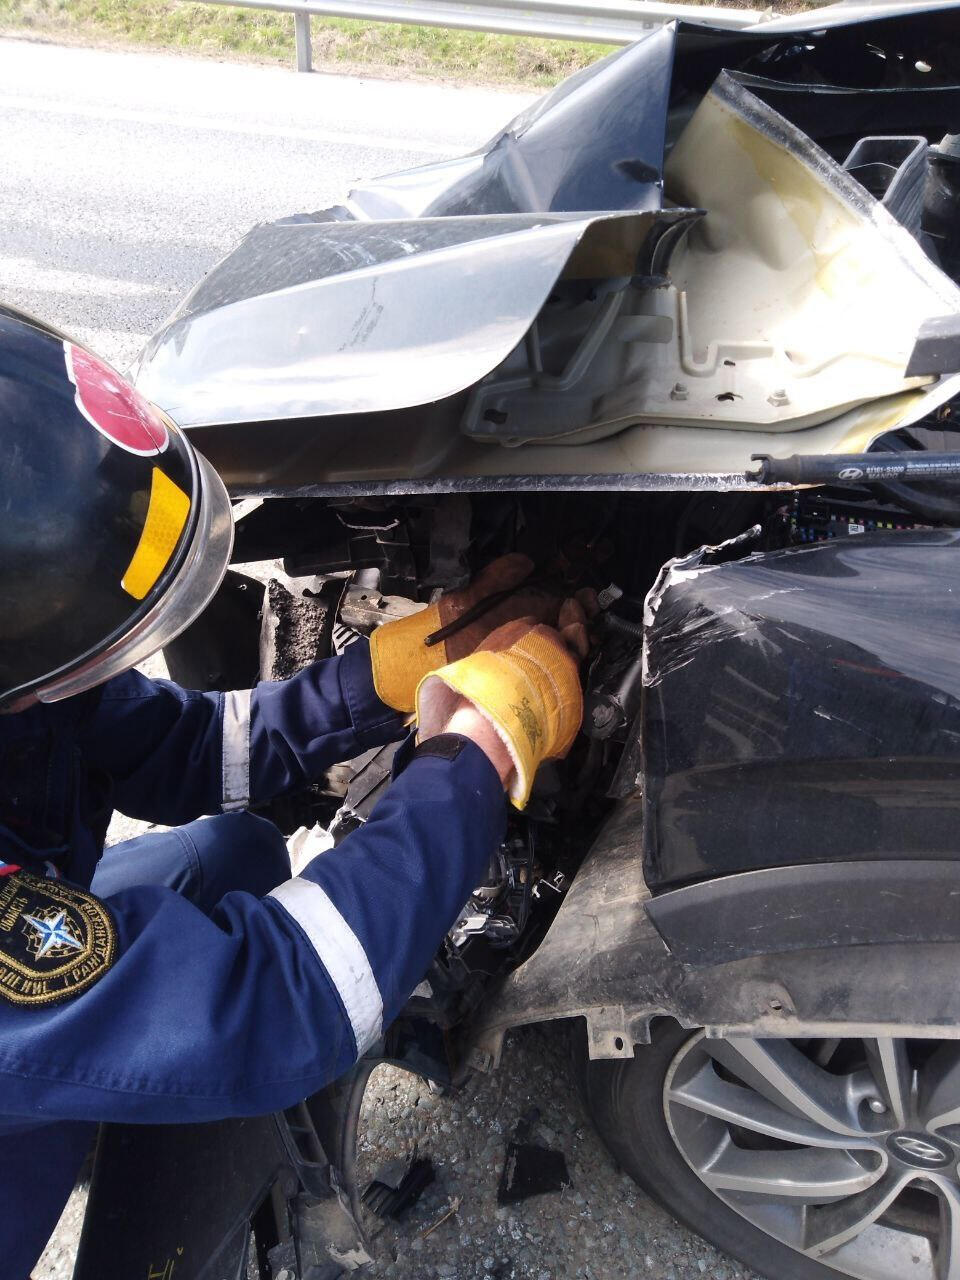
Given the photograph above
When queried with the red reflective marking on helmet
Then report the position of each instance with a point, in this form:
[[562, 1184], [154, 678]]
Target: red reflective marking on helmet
[[109, 403]]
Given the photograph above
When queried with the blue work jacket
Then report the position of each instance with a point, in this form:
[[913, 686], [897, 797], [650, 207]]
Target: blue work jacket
[[176, 1015]]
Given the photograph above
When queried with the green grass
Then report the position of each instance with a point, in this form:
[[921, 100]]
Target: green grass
[[222, 31]]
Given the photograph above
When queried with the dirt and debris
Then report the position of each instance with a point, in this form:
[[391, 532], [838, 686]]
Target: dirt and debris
[[398, 1186], [530, 1169], [455, 1204], [294, 631], [601, 1227]]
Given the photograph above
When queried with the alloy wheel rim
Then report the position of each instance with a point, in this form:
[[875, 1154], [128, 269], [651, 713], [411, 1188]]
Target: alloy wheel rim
[[845, 1150]]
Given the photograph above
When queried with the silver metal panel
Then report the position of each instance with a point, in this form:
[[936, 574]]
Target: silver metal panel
[[441, 303]]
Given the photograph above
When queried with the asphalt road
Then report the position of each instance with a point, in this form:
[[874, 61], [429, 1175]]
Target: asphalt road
[[125, 176]]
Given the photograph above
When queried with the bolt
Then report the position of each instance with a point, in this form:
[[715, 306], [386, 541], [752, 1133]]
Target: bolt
[[679, 391], [602, 716], [778, 398], [876, 1106]]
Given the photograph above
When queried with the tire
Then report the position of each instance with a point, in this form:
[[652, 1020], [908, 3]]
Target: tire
[[627, 1103]]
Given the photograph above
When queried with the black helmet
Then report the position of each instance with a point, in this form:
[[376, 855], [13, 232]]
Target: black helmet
[[114, 533]]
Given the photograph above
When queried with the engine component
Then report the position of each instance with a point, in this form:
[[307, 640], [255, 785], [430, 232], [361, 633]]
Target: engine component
[[531, 1170], [855, 468], [360, 539], [364, 608], [819, 516], [398, 1186], [499, 910], [612, 698], [369, 775]]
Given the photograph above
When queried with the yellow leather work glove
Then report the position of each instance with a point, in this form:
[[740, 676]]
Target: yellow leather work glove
[[399, 655], [524, 681]]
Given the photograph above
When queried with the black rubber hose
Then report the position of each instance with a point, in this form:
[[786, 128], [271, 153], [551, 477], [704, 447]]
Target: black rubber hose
[[939, 508], [928, 506]]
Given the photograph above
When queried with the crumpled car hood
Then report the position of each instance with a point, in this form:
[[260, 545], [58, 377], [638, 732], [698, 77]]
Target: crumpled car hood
[[666, 244], [309, 319]]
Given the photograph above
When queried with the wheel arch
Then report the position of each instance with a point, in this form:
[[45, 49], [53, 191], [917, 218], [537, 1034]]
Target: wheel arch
[[823, 949]]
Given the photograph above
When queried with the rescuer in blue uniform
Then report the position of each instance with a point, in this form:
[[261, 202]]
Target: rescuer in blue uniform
[[185, 975]]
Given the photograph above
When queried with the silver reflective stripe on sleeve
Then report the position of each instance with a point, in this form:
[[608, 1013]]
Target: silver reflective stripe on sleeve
[[236, 750], [339, 951]]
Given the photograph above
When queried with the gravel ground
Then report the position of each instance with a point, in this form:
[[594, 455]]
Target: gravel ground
[[600, 1228]]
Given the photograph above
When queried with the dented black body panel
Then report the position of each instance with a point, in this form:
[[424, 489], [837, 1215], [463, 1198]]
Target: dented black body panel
[[803, 706]]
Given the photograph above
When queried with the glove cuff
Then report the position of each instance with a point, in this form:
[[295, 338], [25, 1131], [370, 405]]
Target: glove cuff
[[400, 660], [502, 695], [515, 692]]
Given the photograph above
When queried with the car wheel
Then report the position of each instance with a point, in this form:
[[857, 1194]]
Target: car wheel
[[804, 1159]]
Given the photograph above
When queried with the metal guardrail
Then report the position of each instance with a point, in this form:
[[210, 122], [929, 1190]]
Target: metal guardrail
[[602, 21]]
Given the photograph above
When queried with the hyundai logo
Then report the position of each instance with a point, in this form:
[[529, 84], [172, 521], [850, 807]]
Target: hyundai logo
[[920, 1150]]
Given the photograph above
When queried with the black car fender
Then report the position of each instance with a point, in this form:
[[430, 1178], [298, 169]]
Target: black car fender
[[848, 948]]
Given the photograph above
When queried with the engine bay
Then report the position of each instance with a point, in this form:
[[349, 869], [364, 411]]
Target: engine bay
[[361, 563]]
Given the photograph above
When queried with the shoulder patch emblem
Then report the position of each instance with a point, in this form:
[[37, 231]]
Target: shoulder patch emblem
[[55, 940]]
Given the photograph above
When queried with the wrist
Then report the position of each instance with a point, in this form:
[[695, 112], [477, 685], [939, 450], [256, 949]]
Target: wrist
[[467, 721]]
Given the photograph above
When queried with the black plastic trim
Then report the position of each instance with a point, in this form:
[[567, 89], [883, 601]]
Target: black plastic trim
[[832, 904]]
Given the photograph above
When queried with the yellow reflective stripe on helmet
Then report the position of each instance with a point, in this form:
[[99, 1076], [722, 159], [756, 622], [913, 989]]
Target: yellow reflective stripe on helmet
[[166, 517]]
